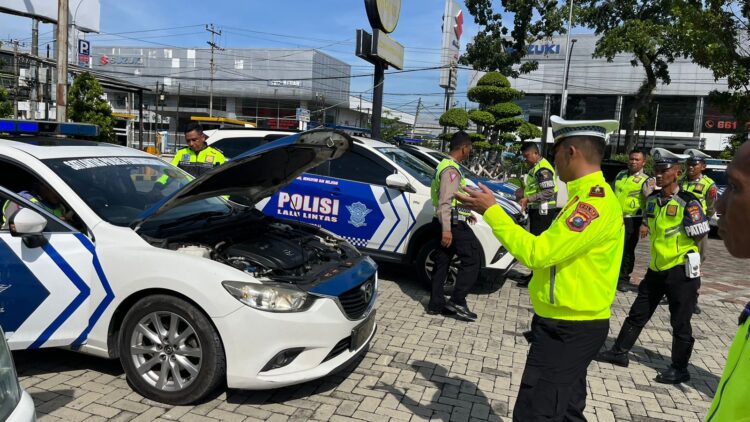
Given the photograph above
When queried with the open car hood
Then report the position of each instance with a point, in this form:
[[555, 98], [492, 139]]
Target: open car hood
[[260, 172]]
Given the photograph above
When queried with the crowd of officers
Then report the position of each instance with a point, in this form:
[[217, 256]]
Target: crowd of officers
[[581, 254]]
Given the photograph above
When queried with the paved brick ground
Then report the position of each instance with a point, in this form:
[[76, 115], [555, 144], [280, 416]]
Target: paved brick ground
[[424, 367]]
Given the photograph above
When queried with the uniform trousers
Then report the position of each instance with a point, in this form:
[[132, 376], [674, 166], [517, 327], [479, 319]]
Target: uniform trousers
[[467, 247], [538, 223], [682, 293], [632, 234], [553, 385]]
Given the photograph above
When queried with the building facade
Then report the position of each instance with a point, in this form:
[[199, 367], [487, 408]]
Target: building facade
[[680, 114]]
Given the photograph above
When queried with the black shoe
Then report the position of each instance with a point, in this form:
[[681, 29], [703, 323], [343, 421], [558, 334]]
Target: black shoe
[[697, 310], [444, 312], [461, 310], [615, 357], [524, 280], [673, 376], [624, 286]]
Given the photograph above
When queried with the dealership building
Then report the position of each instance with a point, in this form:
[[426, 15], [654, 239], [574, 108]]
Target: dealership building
[[680, 115]]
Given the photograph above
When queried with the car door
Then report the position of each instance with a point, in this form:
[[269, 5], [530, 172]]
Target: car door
[[45, 291], [349, 197]]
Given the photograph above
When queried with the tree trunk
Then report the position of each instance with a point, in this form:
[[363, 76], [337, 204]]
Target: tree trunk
[[642, 98]]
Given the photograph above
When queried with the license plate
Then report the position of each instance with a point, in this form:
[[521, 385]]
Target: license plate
[[362, 332]]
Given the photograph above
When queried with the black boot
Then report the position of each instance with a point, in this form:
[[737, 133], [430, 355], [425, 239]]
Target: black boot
[[677, 372], [618, 354], [524, 281]]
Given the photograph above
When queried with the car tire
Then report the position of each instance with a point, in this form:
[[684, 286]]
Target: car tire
[[183, 363], [425, 263]]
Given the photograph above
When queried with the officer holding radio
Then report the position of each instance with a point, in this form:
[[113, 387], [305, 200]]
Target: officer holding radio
[[456, 238], [675, 222]]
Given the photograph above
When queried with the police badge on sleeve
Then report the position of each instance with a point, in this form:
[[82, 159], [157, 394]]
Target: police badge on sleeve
[[358, 213]]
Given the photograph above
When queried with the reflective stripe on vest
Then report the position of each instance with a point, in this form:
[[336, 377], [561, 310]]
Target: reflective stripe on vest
[[531, 186], [435, 187]]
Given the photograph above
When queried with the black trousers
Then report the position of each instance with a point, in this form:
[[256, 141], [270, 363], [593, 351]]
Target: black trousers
[[682, 293], [538, 223], [632, 234], [553, 385], [467, 247]]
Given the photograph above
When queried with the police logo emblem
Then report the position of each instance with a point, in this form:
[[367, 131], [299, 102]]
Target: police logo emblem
[[672, 210], [657, 156], [210, 159], [358, 212], [695, 213], [636, 179], [185, 157]]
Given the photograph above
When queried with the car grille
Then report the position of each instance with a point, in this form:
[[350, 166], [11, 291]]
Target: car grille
[[355, 302], [339, 348]]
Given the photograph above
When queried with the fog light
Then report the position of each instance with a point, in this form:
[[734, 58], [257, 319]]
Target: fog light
[[282, 359]]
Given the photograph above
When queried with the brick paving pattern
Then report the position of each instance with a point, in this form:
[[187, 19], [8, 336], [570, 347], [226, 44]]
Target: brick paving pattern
[[422, 367]]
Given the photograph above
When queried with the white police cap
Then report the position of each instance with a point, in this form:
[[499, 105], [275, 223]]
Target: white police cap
[[562, 128], [695, 155], [664, 158]]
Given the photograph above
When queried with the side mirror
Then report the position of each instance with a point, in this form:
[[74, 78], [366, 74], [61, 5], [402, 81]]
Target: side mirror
[[28, 224], [398, 181]]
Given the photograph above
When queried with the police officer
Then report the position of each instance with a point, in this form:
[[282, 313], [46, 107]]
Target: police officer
[[41, 195], [675, 222], [539, 194], [457, 238], [197, 158], [731, 400], [574, 280], [632, 187]]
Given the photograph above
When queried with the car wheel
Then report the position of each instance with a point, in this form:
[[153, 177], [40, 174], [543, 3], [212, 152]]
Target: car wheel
[[170, 351], [426, 262]]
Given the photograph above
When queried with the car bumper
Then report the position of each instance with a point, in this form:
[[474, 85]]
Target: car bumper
[[24, 411], [252, 338]]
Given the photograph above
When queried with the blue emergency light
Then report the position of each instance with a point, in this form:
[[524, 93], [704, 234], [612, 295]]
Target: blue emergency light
[[35, 127]]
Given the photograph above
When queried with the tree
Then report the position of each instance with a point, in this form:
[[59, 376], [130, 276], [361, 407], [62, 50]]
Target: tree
[[455, 117], [85, 104], [497, 115], [529, 131], [6, 108], [391, 128], [716, 34]]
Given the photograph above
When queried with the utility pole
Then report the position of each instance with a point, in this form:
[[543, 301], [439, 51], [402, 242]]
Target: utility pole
[[15, 77], [416, 117], [210, 28], [177, 118], [447, 101], [569, 48], [377, 98], [62, 60], [34, 95], [656, 119]]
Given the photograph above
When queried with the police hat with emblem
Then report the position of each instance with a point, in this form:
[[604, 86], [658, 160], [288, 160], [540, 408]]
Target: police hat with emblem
[[664, 159], [696, 156], [562, 128]]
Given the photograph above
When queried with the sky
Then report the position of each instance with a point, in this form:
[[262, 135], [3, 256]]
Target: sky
[[328, 25]]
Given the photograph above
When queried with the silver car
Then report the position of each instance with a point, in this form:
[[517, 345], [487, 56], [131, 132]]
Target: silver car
[[15, 403]]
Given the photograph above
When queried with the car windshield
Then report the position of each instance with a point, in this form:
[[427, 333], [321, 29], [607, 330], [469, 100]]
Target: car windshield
[[719, 176], [465, 170], [411, 165], [120, 189]]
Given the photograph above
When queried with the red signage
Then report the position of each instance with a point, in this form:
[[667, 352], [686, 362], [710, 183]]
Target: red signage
[[459, 26]]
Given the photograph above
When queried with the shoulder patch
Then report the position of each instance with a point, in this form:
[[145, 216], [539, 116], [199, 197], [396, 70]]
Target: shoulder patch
[[713, 192], [699, 187], [581, 217], [671, 210], [597, 192]]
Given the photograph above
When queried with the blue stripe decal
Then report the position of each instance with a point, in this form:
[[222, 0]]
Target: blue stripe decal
[[108, 297], [398, 218], [83, 289], [413, 222]]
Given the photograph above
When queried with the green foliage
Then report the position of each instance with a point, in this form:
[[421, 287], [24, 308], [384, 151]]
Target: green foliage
[[734, 144], [6, 108], [481, 118], [489, 95], [481, 145], [528, 131], [85, 104], [494, 79], [391, 128], [506, 138], [477, 137], [504, 110], [509, 124], [455, 117]]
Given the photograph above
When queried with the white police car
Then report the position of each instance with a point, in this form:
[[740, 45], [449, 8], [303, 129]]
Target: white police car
[[184, 287], [377, 196]]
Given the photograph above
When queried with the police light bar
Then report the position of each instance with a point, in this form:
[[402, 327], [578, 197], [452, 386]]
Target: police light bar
[[35, 127]]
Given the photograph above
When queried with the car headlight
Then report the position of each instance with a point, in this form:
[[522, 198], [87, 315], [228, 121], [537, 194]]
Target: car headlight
[[269, 297], [10, 391]]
